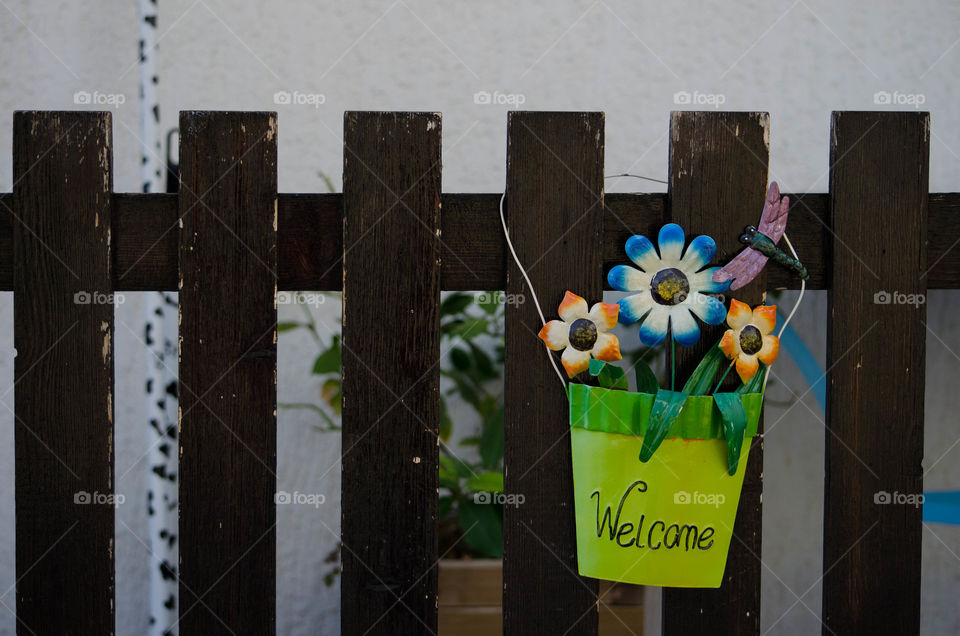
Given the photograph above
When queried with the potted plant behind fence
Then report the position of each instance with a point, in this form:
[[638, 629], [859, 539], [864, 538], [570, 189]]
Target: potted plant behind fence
[[471, 498]]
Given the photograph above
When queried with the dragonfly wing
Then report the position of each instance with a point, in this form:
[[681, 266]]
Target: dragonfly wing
[[742, 269], [773, 221], [748, 263]]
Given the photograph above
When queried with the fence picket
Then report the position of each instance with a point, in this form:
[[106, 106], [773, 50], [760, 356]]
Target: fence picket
[[718, 183], [875, 373], [63, 372], [228, 366], [555, 219], [391, 373]]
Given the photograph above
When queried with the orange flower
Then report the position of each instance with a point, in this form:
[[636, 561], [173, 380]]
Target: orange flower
[[748, 340], [581, 333]]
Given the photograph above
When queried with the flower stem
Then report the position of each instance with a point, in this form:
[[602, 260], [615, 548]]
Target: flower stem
[[673, 363], [729, 366]]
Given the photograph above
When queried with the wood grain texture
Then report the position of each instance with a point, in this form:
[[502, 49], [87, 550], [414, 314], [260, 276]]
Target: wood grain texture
[[943, 241], [63, 372], [391, 373], [228, 365], [555, 219], [146, 242], [473, 250], [718, 184], [875, 377], [626, 215], [472, 247]]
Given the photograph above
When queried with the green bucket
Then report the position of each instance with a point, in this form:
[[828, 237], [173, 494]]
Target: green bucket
[[667, 522]]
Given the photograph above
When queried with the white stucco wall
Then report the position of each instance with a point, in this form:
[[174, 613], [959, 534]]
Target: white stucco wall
[[798, 60]]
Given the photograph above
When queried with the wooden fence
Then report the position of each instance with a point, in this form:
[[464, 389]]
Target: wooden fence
[[392, 241]]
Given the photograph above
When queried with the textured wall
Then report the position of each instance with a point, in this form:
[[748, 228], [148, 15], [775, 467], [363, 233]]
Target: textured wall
[[798, 60]]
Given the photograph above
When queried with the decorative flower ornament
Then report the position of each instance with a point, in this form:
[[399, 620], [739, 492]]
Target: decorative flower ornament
[[669, 286], [581, 333], [748, 339]]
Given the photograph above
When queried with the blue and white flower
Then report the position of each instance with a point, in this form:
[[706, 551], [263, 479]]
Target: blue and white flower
[[670, 287]]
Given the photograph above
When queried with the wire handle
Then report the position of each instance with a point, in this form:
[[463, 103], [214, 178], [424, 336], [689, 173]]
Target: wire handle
[[536, 301]]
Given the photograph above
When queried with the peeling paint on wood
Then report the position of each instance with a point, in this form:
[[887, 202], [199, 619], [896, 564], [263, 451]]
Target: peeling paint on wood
[[554, 210], [874, 415], [227, 312], [390, 373], [64, 400]]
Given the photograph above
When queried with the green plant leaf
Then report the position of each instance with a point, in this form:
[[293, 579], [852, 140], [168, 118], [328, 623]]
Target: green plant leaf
[[446, 422], [472, 327], [332, 393], [446, 463], [609, 376], [490, 445], [449, 327], [465, 386], [327, 181], [489, 406], [646, 380], [448, 479], [456, 466], [307, 406], [446, 503], [482, 528], [289, 326], [489, 302], [460, 359], [734, 425], [455, 304], [665, 409], [329, 360], [486, 482], [482, 362], [755, 383], [331, 577], [336, 403], [330, 388], [702, 379]]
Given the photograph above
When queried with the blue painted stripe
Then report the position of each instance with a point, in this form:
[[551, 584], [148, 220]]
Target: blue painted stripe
[[942, 507], [808, 365]]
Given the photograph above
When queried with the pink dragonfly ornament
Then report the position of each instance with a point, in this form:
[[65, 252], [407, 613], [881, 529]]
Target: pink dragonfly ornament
[[762, 245]]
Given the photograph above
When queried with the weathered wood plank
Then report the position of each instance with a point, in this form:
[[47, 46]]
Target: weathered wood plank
[[943, 241], [718, 183], [145, 242], [228, 365], [391, 374], [555, 219], [473, 251], [472, 247], [63, 372], [875, 373]]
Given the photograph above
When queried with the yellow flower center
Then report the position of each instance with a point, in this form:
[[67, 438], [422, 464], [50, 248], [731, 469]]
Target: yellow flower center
[[583, 334], [751, 340], [669, 286]]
